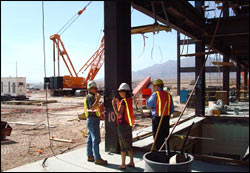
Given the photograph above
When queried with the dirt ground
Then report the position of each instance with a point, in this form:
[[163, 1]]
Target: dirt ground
[[25, 141], [22, 145]]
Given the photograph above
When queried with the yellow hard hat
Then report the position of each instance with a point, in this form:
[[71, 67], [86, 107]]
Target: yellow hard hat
[[158, 82]]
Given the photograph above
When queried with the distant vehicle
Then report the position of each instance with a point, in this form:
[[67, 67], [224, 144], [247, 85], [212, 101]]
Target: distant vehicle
[[13, 87]]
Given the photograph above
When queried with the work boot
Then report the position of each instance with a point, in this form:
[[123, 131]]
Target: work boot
[[101, 162], [91, 159]]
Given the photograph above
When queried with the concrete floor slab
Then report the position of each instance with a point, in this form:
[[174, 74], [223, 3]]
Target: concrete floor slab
[[76, 161]]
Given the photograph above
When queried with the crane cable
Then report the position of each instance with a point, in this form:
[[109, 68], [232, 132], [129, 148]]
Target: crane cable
[[72, 20], [197, 80]]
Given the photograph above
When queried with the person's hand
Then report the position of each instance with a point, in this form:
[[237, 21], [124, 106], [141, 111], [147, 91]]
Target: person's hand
[[114, 102], [97, 96]]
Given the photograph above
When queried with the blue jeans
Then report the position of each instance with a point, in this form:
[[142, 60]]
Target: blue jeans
[[94, 139]]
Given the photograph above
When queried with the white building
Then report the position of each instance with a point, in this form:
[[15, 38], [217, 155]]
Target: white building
[[13, 86]]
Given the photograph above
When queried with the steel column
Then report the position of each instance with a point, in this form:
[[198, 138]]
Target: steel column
[[245, 79], [178, 64], [117, 19], [199, 61], [226, 77], [238, 79], [226, 74]]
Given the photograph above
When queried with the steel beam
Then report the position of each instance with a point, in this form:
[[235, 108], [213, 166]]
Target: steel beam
[[234, 25], [209, 69], [200, 91], [117, 19], [186, 19], [182, 16], [187, 41]]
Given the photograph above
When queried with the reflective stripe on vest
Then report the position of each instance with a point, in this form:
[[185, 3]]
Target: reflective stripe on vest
[[160, 103], [128, 112], [97, 112]]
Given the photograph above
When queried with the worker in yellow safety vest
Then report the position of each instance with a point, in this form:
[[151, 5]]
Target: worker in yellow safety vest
[[92, 113], [156, 102]]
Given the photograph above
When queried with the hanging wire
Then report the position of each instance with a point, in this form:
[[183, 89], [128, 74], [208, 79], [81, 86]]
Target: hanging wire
[[49, 132], [160, 53], [144, 44], [165, 13], [153, 46], [47, 113], [44, 58]]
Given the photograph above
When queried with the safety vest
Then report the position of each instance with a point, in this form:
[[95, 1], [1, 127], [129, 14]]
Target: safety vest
[[86, 110], [162, 98], [129, 114]]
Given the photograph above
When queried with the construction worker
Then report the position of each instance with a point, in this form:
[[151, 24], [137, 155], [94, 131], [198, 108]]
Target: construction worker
[[92, 113], [123, 108], [156, 102]]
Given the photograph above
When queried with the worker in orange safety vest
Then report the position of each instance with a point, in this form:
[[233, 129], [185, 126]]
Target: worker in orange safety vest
[[125, 120], [157, 102]]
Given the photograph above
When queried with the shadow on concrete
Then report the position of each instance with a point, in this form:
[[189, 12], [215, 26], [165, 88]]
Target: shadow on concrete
[[211, 167], [115, 167]]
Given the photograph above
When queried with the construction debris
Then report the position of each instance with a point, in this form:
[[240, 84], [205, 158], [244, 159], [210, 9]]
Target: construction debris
[[5, 130], [29, 102], [60, 140]]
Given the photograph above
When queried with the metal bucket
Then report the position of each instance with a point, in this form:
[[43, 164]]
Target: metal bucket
[[158, 162]]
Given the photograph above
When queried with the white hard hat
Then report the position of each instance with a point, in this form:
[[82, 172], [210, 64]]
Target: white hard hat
[[91, 84], [124, 86]]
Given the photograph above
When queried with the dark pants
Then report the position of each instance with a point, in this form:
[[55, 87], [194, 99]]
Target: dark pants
[[163, 133], [125, 137]]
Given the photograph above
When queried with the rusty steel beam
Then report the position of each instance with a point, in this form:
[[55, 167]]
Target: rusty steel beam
[[187, 19], [175, 9]]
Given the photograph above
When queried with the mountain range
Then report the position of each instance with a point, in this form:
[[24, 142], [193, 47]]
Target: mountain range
[[166, 70]]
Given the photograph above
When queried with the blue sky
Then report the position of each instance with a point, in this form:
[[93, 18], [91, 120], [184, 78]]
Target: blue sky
[[21, 37]]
